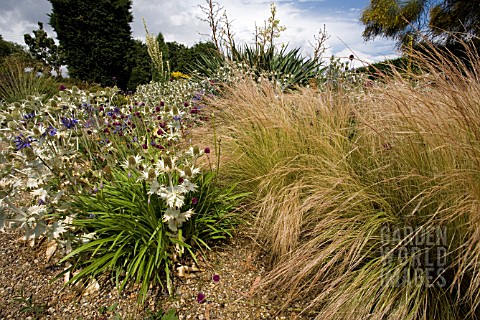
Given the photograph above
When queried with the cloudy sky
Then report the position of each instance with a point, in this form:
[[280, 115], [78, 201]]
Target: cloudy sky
[[181, 21]]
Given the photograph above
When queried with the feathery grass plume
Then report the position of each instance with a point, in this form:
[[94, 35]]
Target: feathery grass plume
[[276, 141], [368, 203]]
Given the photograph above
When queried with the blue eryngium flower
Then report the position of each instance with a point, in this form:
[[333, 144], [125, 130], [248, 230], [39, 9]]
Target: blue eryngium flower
[[69, 123], [52, 131], [23, 142], [29, 116]]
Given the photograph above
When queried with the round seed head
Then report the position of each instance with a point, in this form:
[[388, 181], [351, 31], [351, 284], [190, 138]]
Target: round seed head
[[152, 174]]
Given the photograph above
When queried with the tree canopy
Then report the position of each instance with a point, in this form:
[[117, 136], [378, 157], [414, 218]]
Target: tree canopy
[[96, 38], [182, 58], [43, 49], [8, 48], [404, 20]]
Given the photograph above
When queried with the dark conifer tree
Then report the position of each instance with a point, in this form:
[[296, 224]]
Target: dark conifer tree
[[96, 38]]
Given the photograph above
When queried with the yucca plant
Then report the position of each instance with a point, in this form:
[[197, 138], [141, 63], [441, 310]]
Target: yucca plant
[[286, 67]]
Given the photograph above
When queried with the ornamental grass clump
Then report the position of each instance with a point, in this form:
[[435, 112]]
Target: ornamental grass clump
[[18, 80], [370, 203]]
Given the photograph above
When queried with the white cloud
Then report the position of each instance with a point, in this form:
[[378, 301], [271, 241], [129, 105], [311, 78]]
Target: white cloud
[[179, 21], [302, 22]]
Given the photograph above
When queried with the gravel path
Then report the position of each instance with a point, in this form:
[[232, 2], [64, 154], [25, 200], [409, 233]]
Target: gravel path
[[27, 293]]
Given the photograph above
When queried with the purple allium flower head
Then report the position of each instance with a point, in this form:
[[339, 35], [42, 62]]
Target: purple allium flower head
[[207, 150], [201, 297], [62, 87], [194, 201], [157, 108], [162, 103], [185, 104], [216, 278]]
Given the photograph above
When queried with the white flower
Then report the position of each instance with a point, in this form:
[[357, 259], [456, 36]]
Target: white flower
[[41, 193], [150, 173], [34, 183], [68, 220], [58, 196], [154, 187], [36, 210], [57, 229], [132, 162], [174, 127], [187, 214], [188, 186], [194, 151], [173, 196], [4, 183], [86, 237], [170, 214], [173, 135], [175, 219], [167, 165]]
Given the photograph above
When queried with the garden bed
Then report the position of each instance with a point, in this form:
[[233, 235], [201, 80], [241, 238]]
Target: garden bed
[[26, 291]]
